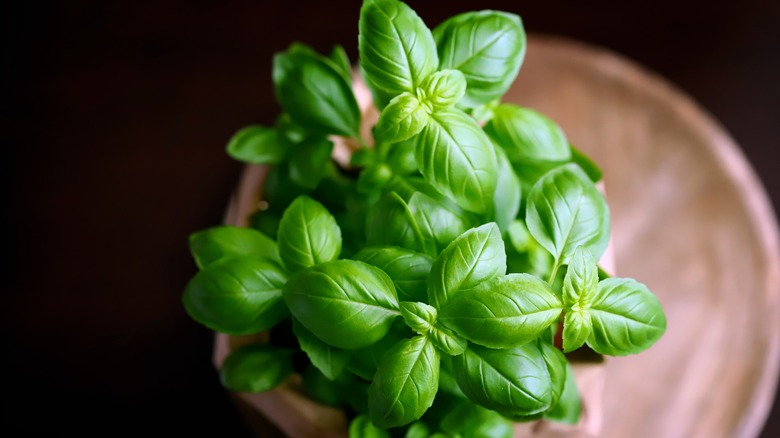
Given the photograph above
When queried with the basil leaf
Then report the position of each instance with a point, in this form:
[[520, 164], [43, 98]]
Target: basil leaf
[[390, 223], [487, 46], [308, 235], [581, 280], [627, 318], [397, 51], [417, 429], [365, 361], [240, 295], [507, 196], [556, 367], [473, 421], [405, 383], [474, 257], [310, 161], [420, 317], [444, 89], [403, 118], [373, 178], [512, 382], [346, 303], [212, 244], [256, 144], [329, 360], [408, 269], [564, 211], [256, 368], [456, 158], [577, 327], [340, 59], [320, 388], [315, 94], [588, 166], [401, 159], [438, 225], [361, 427], [568, 408], [447, 340], [505, 312], [527, 135]]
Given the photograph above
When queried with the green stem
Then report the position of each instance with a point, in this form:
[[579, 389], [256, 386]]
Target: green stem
[[551, 280]]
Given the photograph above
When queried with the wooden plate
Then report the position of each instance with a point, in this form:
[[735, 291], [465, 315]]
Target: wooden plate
[[689, 219]]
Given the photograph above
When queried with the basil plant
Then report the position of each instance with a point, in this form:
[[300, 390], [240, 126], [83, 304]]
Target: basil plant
[[437, 284]]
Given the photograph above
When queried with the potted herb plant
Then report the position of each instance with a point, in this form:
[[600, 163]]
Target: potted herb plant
[[440, 278]]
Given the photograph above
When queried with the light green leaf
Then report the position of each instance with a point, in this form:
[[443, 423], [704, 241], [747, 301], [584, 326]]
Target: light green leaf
[[365, 361], [346, 303], [456, 158], [239, 295], [568, 408], [420, 317], [308, 235], [256, 368], [315, 94], [577, 327], [474, 257], [408, 269], [586, 163], [309, 162], [627, 318], [447, 340], [438, 225], [417, 429], [527, 135], [215, 243], [565, 210], [403, 118], [340, 59], [329, 360], [390, 223], [405, 383], [505, 312], [444, 89], [258, 144], [487, 46], [474, 421], [361, 427], [397, 51], [508, 192], [556, 367], [512, 382], [581, 280]]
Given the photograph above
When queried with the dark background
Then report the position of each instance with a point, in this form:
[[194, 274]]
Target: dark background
[[116, 118]]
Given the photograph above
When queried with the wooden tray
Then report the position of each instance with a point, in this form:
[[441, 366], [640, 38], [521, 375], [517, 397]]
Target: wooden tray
[[689, 218]]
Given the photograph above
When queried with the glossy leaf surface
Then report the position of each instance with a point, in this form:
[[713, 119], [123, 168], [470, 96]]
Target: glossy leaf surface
[[308, 235], [215, 243], [329, 360], [257, 144], [256, 368], [408, 269]]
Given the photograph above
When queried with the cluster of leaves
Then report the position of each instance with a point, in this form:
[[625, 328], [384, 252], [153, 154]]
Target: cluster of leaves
[[423, 288]]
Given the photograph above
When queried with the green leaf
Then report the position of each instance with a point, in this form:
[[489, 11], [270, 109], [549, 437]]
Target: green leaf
[[315, 94], [390, 223], [487, 46], [308, 235], [444, 89], [577, 327], [505, 312], [568, 408], [320, 388], [403, 118], [240, 295], [556, 367], [589, 166], [420, 317], [457, 159], [329, 360], [527, 135], [256, 368], [474, 257], [627, 318], [346, 303], [340, 59], [405, 383], [524, 254], [309, 162], [581, 280], [438, 225], [361, 427], [374, 178], [258, 144], [397, 51], [508, 192], [365, 361], [447, 340], [473, 421], [417, 429], [215, 243], [512, 382], [408, 269], [564, 211], [400, 158]]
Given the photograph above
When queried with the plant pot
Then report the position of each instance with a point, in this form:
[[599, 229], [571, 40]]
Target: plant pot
[[689, 218]]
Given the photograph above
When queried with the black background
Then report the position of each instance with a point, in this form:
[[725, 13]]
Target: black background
[[116, 117]]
